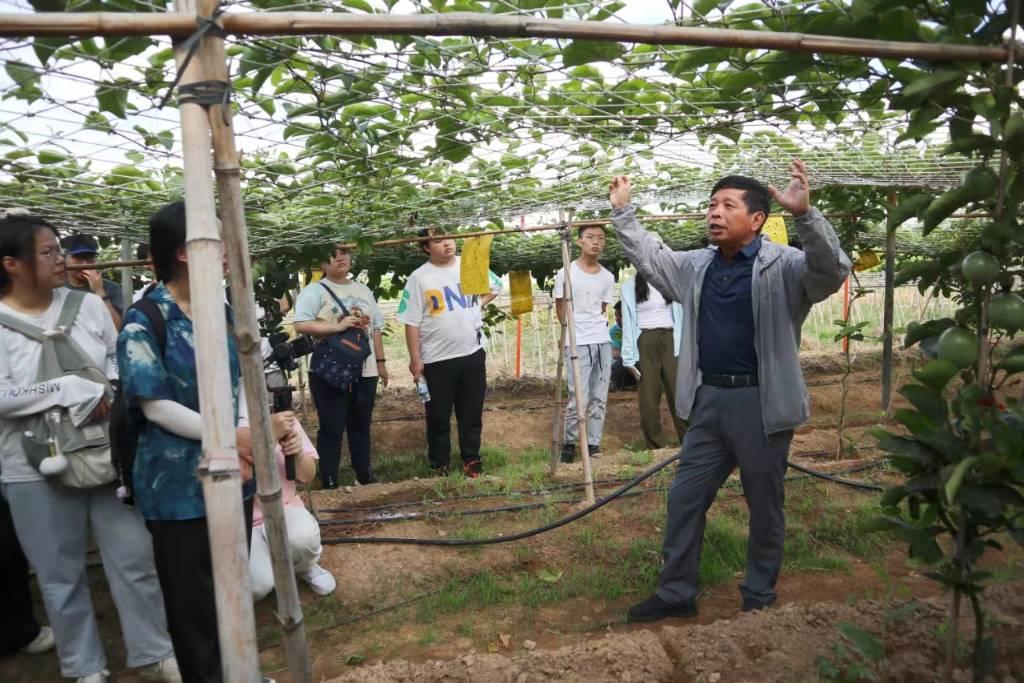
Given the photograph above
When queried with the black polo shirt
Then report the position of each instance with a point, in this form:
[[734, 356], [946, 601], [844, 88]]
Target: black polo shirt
[[725, 321]]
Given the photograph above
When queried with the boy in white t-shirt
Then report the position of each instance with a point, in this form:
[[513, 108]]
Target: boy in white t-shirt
[[443, 334], [592, 292]]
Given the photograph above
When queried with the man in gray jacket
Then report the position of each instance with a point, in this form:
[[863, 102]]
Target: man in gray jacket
[[739, 385]]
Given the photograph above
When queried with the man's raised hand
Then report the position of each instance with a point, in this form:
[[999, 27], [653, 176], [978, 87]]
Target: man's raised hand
[[797, 197], [620, 191]]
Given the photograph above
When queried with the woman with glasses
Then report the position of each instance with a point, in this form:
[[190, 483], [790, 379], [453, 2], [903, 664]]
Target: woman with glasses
[[54, 522]]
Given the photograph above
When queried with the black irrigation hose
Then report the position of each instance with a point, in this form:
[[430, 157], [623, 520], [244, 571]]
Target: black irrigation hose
[[618, 493], [537, 492], [436, 514], [863, 486], [384, 540]]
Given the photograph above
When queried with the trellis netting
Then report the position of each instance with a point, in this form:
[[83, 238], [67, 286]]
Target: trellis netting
[[358, 138]]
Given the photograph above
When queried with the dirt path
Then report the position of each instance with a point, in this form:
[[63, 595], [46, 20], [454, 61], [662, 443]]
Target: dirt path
[[784, 644]]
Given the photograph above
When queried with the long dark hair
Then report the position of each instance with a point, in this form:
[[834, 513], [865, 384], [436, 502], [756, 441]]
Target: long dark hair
[[643, 291], [18, 240], [167, 233]]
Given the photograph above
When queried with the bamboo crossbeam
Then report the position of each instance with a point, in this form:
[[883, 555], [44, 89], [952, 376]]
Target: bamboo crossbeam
[[85, 24]]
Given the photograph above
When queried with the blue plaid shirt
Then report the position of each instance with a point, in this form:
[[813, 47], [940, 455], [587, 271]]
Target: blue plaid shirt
[[165, 478]]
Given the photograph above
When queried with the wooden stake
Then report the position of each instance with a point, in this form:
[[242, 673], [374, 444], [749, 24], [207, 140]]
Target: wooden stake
[[127, 288], [582, 399], [182, 24], [226, 168], [556, 418], [219, 468], [519, 346], [888, 307]]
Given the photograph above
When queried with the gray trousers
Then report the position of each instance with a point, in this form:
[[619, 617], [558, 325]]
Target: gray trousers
[[53, 525], [726, 430], [595, 363]]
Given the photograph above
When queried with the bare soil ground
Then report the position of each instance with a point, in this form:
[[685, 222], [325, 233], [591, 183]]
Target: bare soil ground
[[412, 613], [782, 644]]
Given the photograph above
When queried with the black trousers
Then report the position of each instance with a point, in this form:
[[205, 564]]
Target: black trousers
[[340, 412], [185, 568], [18, 625], [459, 382]]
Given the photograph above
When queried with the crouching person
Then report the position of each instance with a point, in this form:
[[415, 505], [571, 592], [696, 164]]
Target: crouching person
[[303, 529]]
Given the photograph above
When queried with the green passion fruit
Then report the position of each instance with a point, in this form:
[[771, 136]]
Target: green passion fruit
[[959, 347], [1007, 311], [980, 268]]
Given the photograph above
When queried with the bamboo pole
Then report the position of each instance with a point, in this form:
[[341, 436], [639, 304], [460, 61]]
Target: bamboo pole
[[546, 227], [182, 24], [888, 306], [556, 418], [582, 400], [126, 277], [219, 468], [226, 169]]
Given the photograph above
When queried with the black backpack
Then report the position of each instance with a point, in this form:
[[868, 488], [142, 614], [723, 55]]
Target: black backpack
[[126, 419]]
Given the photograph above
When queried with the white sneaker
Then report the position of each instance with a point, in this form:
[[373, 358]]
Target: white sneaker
[[41, 643], [165, 670], [98, 677], [320, 580]]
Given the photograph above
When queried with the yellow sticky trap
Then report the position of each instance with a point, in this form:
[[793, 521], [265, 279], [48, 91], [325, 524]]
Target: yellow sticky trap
[[521, 286], [866, 260], [475, 265], [775, 228]]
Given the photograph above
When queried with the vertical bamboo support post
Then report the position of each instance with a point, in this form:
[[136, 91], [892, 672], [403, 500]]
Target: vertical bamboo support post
[[535, 326], [219, 468], [888, 306], [556, 418], [226, 169], [846, 312], [582, 400], [519, 346], [127, 290]]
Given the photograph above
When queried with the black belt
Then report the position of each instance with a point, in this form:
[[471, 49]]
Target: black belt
[[729, 381]]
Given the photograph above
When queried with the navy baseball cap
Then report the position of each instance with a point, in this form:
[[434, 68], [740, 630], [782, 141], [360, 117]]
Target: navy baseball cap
[[78, 245]]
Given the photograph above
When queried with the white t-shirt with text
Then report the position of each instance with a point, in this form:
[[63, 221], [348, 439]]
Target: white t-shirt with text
[[450, 322], [590, 293]]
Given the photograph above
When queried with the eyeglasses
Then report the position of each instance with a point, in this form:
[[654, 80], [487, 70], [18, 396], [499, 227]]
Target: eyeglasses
[[55, 254]]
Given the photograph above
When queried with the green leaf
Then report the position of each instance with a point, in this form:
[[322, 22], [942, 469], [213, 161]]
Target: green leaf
[[121, 49], [702, 7], [47, 156], [585, 51], [45, 47], [936, 374], [928, 401], [862, 640], [361, 5], [113, 98], [925, 84], [550, 576], [956, 477], [355, 659]]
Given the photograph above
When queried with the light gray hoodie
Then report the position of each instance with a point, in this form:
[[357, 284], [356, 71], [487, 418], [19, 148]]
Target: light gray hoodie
[[785, 283]]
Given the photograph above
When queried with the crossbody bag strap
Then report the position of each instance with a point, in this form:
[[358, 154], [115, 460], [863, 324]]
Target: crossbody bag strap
[[344, 310]]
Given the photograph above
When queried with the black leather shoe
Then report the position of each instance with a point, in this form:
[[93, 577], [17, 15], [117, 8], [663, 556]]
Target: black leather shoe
[[656, 609], [329, 483], [568, 453], [751, 605], [368, 478]]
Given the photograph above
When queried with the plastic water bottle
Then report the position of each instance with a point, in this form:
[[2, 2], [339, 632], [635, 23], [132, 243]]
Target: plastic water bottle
[[422, 390]]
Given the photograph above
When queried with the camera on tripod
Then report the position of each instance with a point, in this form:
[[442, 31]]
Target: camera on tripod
[[284, 353]]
